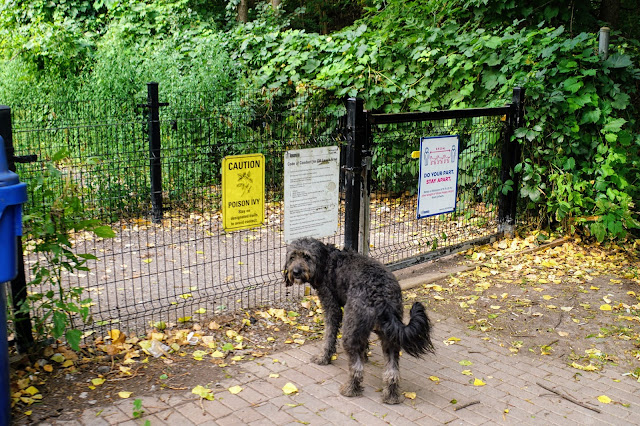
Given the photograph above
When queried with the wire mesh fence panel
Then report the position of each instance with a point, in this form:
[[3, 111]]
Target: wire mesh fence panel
[[396, 234], [175, 262], [186, 267]]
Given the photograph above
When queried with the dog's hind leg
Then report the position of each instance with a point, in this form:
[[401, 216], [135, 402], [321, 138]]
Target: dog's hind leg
[[353, 386], [391, 376], [332, 321], [355, 340]]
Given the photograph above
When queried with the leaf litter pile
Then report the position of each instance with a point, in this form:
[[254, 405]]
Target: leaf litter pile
[[61, 383], [574, 301]]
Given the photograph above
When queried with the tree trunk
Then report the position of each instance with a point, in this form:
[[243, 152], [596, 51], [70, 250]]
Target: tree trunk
[[243, 11]]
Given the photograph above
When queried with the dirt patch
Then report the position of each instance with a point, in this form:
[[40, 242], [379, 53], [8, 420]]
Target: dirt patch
[[576, 302], [59, 384]]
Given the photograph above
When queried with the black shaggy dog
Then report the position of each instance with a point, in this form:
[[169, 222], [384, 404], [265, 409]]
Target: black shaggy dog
[[372, 301]]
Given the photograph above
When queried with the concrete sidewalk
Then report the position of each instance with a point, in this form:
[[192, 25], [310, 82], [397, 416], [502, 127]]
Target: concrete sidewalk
[[511, 393]]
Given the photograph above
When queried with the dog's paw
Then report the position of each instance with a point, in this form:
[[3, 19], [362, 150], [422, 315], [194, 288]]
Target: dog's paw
[[391, 398], [349, 389], [321, 360]]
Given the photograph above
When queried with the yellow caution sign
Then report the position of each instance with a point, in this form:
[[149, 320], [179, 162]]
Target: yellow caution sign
[[242, 191]]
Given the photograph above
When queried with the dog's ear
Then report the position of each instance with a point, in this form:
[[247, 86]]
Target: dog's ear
[[286, 278]]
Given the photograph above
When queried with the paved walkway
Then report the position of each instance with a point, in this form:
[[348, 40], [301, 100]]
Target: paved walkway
[[511, 393]]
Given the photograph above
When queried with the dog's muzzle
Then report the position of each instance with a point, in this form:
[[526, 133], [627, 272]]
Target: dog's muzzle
[[295, 275]]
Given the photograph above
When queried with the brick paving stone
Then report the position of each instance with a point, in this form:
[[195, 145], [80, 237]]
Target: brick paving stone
[[435, 398], [583, 417], [230, 420], [298, 378], [258, 368], [311, 402], [304, 415], [274, 413], [470, 417], [267, 422], [322, 390], [319, 374], [266, 387], [290, 361], [231, 401], [252, 396], [248, 415], [197, 413], [368, 419], [273, 365], [130, 423], [112, 414], [170, 416]]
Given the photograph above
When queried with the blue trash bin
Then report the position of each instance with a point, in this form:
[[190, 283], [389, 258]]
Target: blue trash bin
[[12, 195]]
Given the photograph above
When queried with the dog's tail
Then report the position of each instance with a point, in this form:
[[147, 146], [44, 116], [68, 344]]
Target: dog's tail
[[415, 337]]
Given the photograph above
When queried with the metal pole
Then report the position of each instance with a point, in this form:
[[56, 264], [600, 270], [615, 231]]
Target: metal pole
[[22, 325], [352, 171], [365, 205], [603, 43], [155, 163], [5, 390], [511, 152]]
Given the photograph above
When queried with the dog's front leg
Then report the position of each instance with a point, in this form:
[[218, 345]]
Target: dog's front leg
[[332, 321]]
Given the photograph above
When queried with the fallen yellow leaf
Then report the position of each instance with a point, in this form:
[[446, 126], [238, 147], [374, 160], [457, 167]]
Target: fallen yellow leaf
[[124, 394], [478, 382], [97, 381], [32, 390], [589, 367], [410, 395], [198, 355], [203, 392], [235, 389], [289, 388], [604, 399], [434, 379], [59, 358], [605, 307]]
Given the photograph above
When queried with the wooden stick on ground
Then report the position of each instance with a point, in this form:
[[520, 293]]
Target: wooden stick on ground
[[568, 398], [468, 404]]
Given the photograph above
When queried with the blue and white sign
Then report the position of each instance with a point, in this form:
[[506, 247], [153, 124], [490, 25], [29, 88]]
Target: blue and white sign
[[438, 183]]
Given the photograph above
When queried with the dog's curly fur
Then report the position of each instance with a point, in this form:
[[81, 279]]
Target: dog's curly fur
[[372, 301]]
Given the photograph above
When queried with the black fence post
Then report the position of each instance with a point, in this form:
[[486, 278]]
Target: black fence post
[[155, 160], [22, 325], [356, 139], [511, 152]]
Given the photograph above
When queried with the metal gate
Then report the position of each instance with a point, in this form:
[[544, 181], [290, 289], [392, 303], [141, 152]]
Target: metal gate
[[381, 185]]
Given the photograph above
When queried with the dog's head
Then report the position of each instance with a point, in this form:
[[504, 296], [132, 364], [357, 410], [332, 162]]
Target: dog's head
[[304, 257]]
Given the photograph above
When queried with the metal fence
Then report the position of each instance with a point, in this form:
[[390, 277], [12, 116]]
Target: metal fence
[[151, 169]]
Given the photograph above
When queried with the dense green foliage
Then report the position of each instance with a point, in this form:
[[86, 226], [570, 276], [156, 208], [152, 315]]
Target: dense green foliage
[[580, 141]]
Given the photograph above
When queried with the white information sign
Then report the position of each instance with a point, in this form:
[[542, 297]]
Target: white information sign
[[311, 195], [438, 183]]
